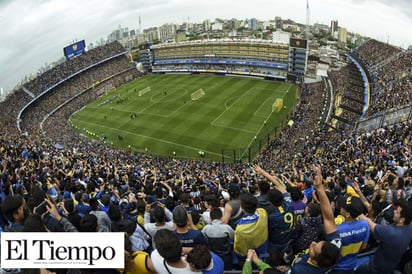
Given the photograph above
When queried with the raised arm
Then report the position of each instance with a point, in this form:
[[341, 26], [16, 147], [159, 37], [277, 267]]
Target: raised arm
[[364, 200], [287, 181], [327, 212], [273, 179]]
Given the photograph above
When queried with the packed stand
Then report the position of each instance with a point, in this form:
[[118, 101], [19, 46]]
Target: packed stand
[[373, 52], [283, 150], [34, 114], [391, 86], [348, 88], [68, 68], [390, 72], [221, 216]]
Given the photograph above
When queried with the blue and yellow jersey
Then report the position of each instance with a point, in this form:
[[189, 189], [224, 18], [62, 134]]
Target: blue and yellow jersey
[[353, 235]]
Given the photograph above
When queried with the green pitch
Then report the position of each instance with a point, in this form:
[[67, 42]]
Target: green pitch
[[231, 114]]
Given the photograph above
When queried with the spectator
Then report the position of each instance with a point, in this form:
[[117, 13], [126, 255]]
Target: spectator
[[299, 207], [219, 237], [210, 202], [264, 268], [138, 262], [232, 211], [15, 210], [53, 214], [141, 209], [159, 212], [308, 229], [324, 254], [70, 212], [81, 207], [89, 223], [354, 235], [263, 200], [281, 219], [102, 217], [40, 201], [167, 257], [138, 238], [188, 237], [252, 229], [185, 201], [34, 223], [394, 241], [201, 259]]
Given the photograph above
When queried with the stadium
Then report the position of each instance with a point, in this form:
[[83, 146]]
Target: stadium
[[97, 124], [236, 131]]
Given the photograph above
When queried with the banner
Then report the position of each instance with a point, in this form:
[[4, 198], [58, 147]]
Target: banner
[[62, 250]]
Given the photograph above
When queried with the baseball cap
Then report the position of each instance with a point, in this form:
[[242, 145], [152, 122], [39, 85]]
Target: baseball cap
[[353, 205], [180, 216]]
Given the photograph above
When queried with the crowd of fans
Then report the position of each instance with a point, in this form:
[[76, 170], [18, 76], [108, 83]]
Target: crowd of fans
[[34, 114], [373, 52], [392, 83], [222, 216], [222, 68], [349, 93], [283, 151], [391, 76]]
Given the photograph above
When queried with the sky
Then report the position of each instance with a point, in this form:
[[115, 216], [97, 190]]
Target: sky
[[34, 32]]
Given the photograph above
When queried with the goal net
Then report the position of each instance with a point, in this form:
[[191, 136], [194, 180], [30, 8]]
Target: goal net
[[197, 94], [277, 105]]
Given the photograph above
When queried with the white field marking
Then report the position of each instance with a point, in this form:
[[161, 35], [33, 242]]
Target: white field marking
[[285, 92], [148, 113], [260, 128], [148, 137], [261, 116], [212, 87], [161, 99], [213, 123], [228, 100], [151, 114], [154, 102], [221, 114], [256, 134], [234, 128]]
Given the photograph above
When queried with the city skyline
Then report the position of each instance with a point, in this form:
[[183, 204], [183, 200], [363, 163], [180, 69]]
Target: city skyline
[[34, 33]]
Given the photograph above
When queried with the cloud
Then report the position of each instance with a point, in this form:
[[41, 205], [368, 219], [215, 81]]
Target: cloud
[[402, 6], [35, 32]]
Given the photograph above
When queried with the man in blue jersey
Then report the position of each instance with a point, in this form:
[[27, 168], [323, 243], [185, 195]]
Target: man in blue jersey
[[280, 219], [188, 237], [324, 254], [353, 233], [394, 241]]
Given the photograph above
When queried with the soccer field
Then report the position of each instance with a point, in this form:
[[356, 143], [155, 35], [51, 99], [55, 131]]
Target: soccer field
[[155, 114]]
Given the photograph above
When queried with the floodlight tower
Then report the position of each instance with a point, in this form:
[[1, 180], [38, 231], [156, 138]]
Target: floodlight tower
[[307, 20]]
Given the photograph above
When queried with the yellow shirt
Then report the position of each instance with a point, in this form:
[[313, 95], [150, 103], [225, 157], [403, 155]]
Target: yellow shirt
[[137, 264]]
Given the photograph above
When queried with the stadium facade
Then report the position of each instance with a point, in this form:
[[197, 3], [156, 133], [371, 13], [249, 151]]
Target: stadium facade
[[247, 57]]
